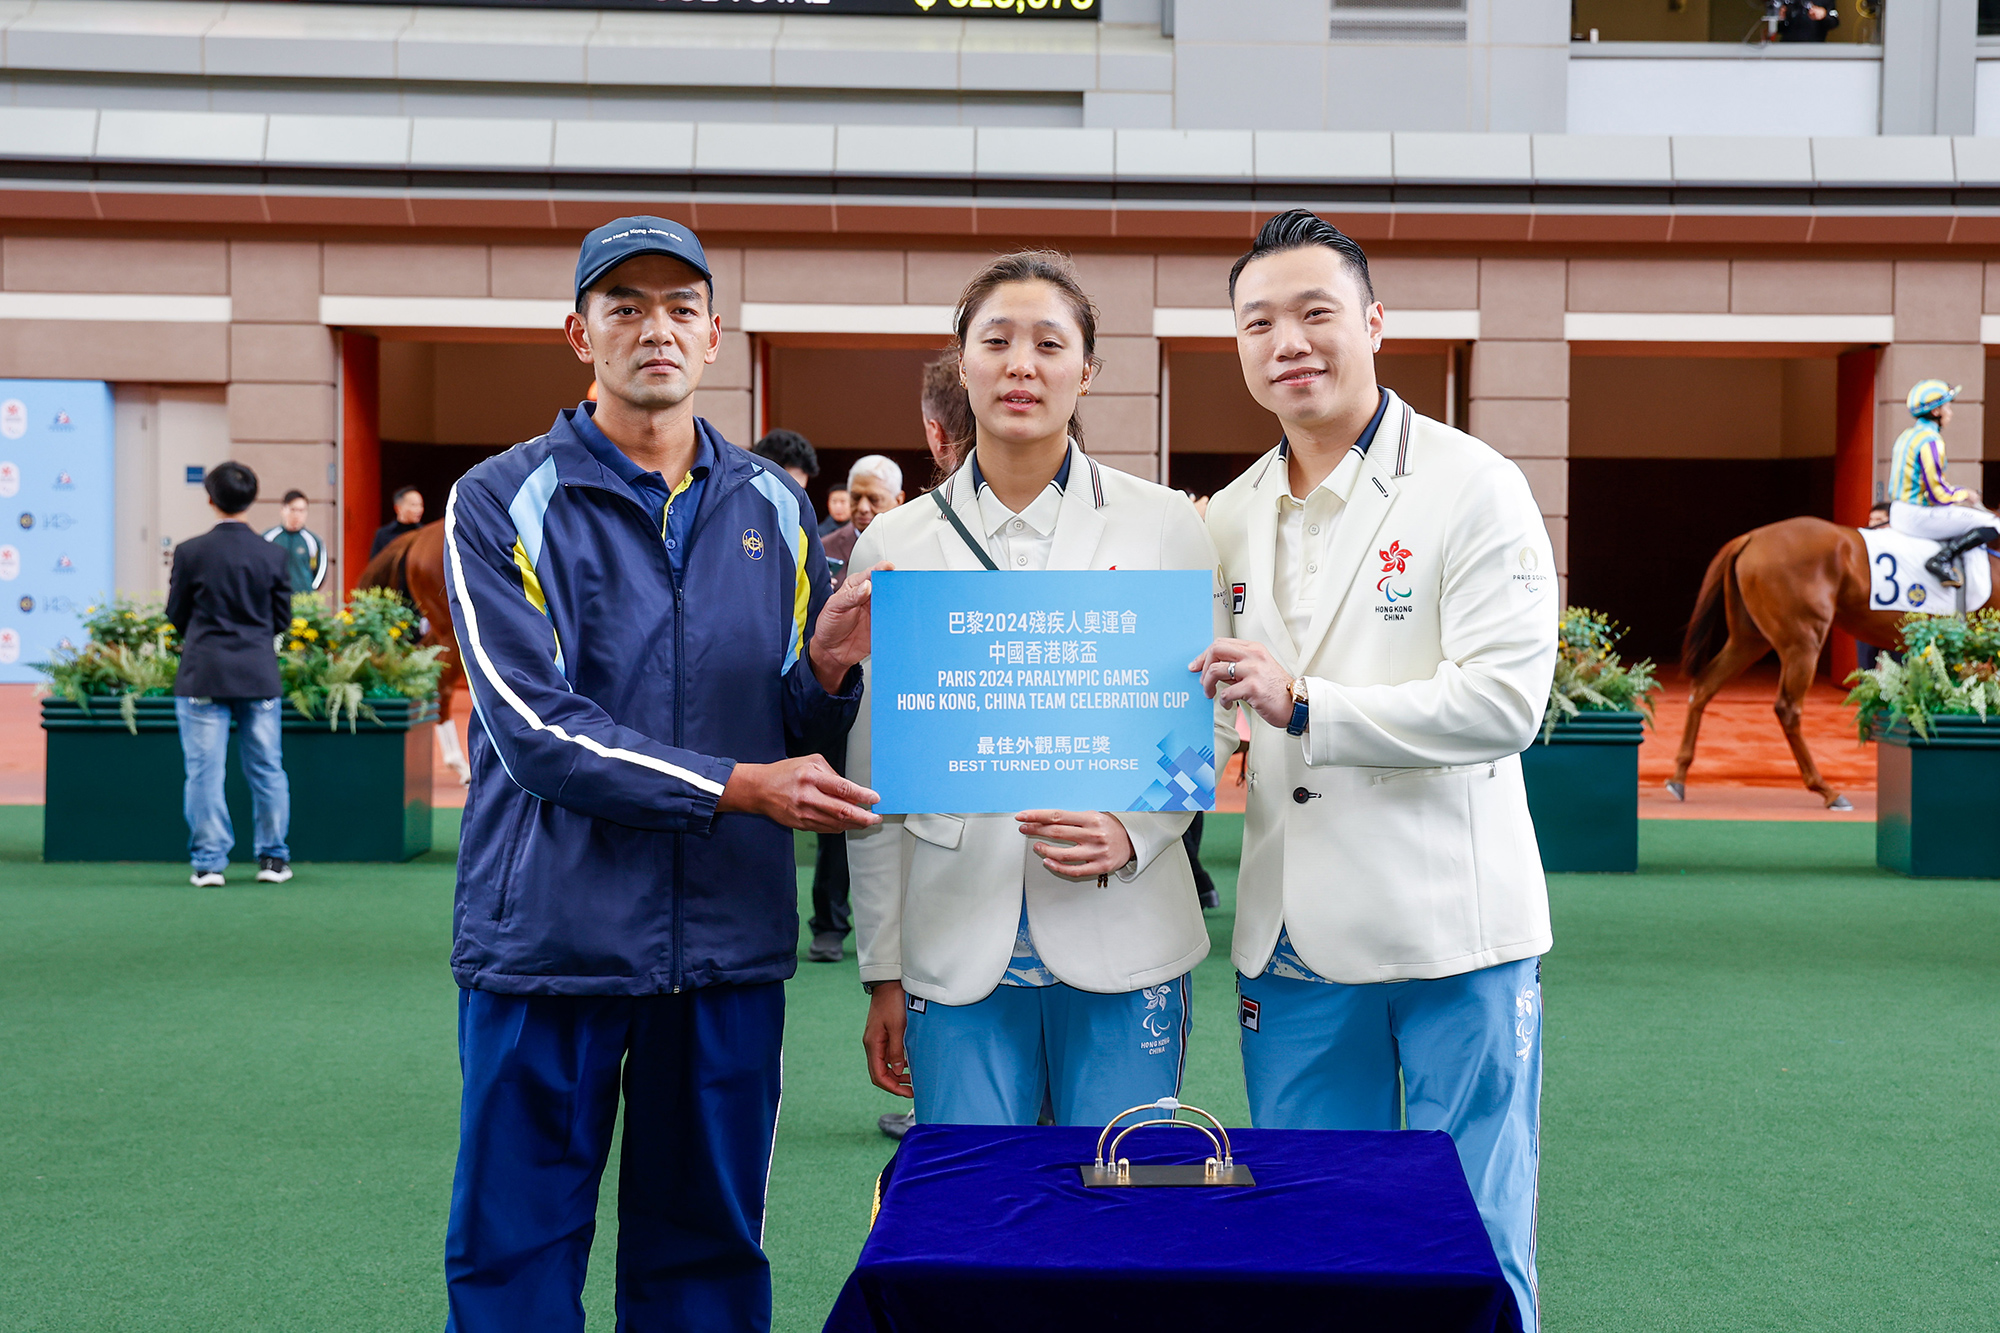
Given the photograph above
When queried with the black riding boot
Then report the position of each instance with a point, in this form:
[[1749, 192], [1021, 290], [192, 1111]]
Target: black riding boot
[[1940, 564]]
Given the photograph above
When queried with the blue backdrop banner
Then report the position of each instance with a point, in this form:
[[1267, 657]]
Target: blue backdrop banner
[[1067, 690], [56, 493]]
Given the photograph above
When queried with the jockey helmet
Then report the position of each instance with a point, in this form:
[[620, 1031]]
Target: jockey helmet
[[1927, 396]]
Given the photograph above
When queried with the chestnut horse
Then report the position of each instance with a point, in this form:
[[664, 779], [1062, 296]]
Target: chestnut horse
[[413, 565], [1782, 586]]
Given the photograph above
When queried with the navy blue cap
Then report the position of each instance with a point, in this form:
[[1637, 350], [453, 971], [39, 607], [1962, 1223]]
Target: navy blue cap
[[628, 238]]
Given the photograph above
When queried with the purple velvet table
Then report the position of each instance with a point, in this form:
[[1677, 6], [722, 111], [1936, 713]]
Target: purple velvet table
[[985, 1227]]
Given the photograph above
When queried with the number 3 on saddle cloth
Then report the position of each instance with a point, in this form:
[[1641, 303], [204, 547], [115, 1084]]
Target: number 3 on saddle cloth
[[1899, 582]]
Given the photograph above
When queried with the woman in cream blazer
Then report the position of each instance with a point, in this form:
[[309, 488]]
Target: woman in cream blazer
[[1016, 957]]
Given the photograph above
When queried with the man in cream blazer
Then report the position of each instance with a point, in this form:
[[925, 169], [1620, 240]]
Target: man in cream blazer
[[1018, 981], [1393, 611]]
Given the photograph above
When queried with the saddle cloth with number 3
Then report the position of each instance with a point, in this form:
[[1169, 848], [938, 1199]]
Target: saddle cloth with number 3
[[1898, 581]]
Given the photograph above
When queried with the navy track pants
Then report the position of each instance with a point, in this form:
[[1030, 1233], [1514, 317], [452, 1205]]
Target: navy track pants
[[700, 1073]]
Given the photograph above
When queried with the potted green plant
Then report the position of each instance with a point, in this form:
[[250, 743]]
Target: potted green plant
[[1934, 712], [358, 718], [1583, 771]]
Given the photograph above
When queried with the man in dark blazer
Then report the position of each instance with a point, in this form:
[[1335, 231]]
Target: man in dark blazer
[[230, 596]]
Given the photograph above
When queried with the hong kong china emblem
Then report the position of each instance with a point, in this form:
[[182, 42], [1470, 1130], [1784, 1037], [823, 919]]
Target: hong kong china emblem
[[1395, 563]]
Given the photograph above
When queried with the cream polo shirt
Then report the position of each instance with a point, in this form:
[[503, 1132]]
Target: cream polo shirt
[[1305, 531], [1023, 540], [1305, 528]]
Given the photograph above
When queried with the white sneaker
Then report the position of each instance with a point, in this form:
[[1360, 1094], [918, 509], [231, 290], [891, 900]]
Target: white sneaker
[[207, 879], [270, 870]]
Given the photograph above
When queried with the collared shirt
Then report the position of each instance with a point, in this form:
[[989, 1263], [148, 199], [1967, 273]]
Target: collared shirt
[[672, 507], [1305, 530], [1023, 540]]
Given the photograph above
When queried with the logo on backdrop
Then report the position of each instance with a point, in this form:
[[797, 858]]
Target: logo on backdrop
[[10, 644], [13, 418], [10, 479], [65, 482], [10, 563], [753, 543], [65, 565], [27, 521], [27, 603], [62, 422]]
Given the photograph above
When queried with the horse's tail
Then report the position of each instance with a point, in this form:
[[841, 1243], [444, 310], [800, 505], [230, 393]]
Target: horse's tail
[[1708, 627]]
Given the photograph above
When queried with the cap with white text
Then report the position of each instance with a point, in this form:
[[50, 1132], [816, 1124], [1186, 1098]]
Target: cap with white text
[[628, 238]]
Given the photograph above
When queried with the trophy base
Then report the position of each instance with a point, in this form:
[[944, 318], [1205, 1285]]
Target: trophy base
[[1149, 1175]]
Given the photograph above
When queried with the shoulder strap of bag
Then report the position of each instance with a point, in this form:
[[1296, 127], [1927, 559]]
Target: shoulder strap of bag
[[953, 519]]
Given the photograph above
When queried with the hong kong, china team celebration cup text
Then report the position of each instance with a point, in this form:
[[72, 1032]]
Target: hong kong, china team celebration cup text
[[993, 693]]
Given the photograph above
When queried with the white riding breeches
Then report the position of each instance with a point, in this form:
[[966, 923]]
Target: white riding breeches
[[1938, 522]]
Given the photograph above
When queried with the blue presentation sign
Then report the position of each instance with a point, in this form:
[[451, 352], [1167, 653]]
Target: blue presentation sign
[[1064, 690], [56, 493]]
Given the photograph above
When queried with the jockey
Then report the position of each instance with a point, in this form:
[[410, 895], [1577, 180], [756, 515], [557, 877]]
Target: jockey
[[1921, 503]]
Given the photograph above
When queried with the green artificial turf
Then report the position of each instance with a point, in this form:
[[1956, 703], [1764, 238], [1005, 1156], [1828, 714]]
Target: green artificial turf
[[1770, 1104]]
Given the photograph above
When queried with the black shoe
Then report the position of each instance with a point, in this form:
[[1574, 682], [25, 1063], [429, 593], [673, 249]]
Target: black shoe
[[1210, 900], [826, 947], [271, 870], [897, 1123], [1949, 550]]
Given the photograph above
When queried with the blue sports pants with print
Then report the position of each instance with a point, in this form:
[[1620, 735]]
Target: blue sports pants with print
[[1320, 1055], [993, 1061], [700, 1073]]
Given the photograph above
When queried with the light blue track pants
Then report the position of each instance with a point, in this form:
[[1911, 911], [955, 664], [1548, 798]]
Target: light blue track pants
[[991, 1062], [1320, 1055]]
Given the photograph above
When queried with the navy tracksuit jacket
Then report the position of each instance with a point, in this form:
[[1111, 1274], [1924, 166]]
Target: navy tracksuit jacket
[[609, 924]]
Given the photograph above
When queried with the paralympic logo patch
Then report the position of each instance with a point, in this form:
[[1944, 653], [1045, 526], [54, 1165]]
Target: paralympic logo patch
[[1525, 1005], [1395, 561], [753, 543]]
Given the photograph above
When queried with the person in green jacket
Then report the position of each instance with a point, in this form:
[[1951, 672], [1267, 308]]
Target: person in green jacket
[[305, 553]]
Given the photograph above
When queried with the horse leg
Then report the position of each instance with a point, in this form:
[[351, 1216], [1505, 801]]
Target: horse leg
[[1744, 647], [449, 749], [1799, 664]]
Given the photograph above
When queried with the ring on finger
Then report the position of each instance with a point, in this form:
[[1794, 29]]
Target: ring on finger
[[1232, 673]]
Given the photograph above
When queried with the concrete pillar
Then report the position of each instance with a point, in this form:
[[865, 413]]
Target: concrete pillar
[[1121, 417], [1937, 337], [281, 382], [1519, 392], [724, 395], [1928, 51]]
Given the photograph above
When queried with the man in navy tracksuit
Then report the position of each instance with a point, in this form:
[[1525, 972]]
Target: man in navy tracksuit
[[642, 612]]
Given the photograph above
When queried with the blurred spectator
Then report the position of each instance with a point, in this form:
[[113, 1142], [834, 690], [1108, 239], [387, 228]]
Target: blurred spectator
[[791, 451], [839, 508], [1878, 514], [947, 414], [1802, 21], [874, 486], [305, 553], [229, 597], [408, 505]]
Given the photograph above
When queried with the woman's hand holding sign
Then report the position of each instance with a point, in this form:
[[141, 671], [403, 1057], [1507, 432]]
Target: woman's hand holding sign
[[1239, 671], [1099, 843]]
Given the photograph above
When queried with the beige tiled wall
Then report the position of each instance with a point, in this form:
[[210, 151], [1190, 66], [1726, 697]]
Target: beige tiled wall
[[1519, 391], [1937, 305]]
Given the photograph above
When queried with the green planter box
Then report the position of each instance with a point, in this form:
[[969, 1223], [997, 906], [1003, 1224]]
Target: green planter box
[[1934, 799], [363, 795], [1583, 791]]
